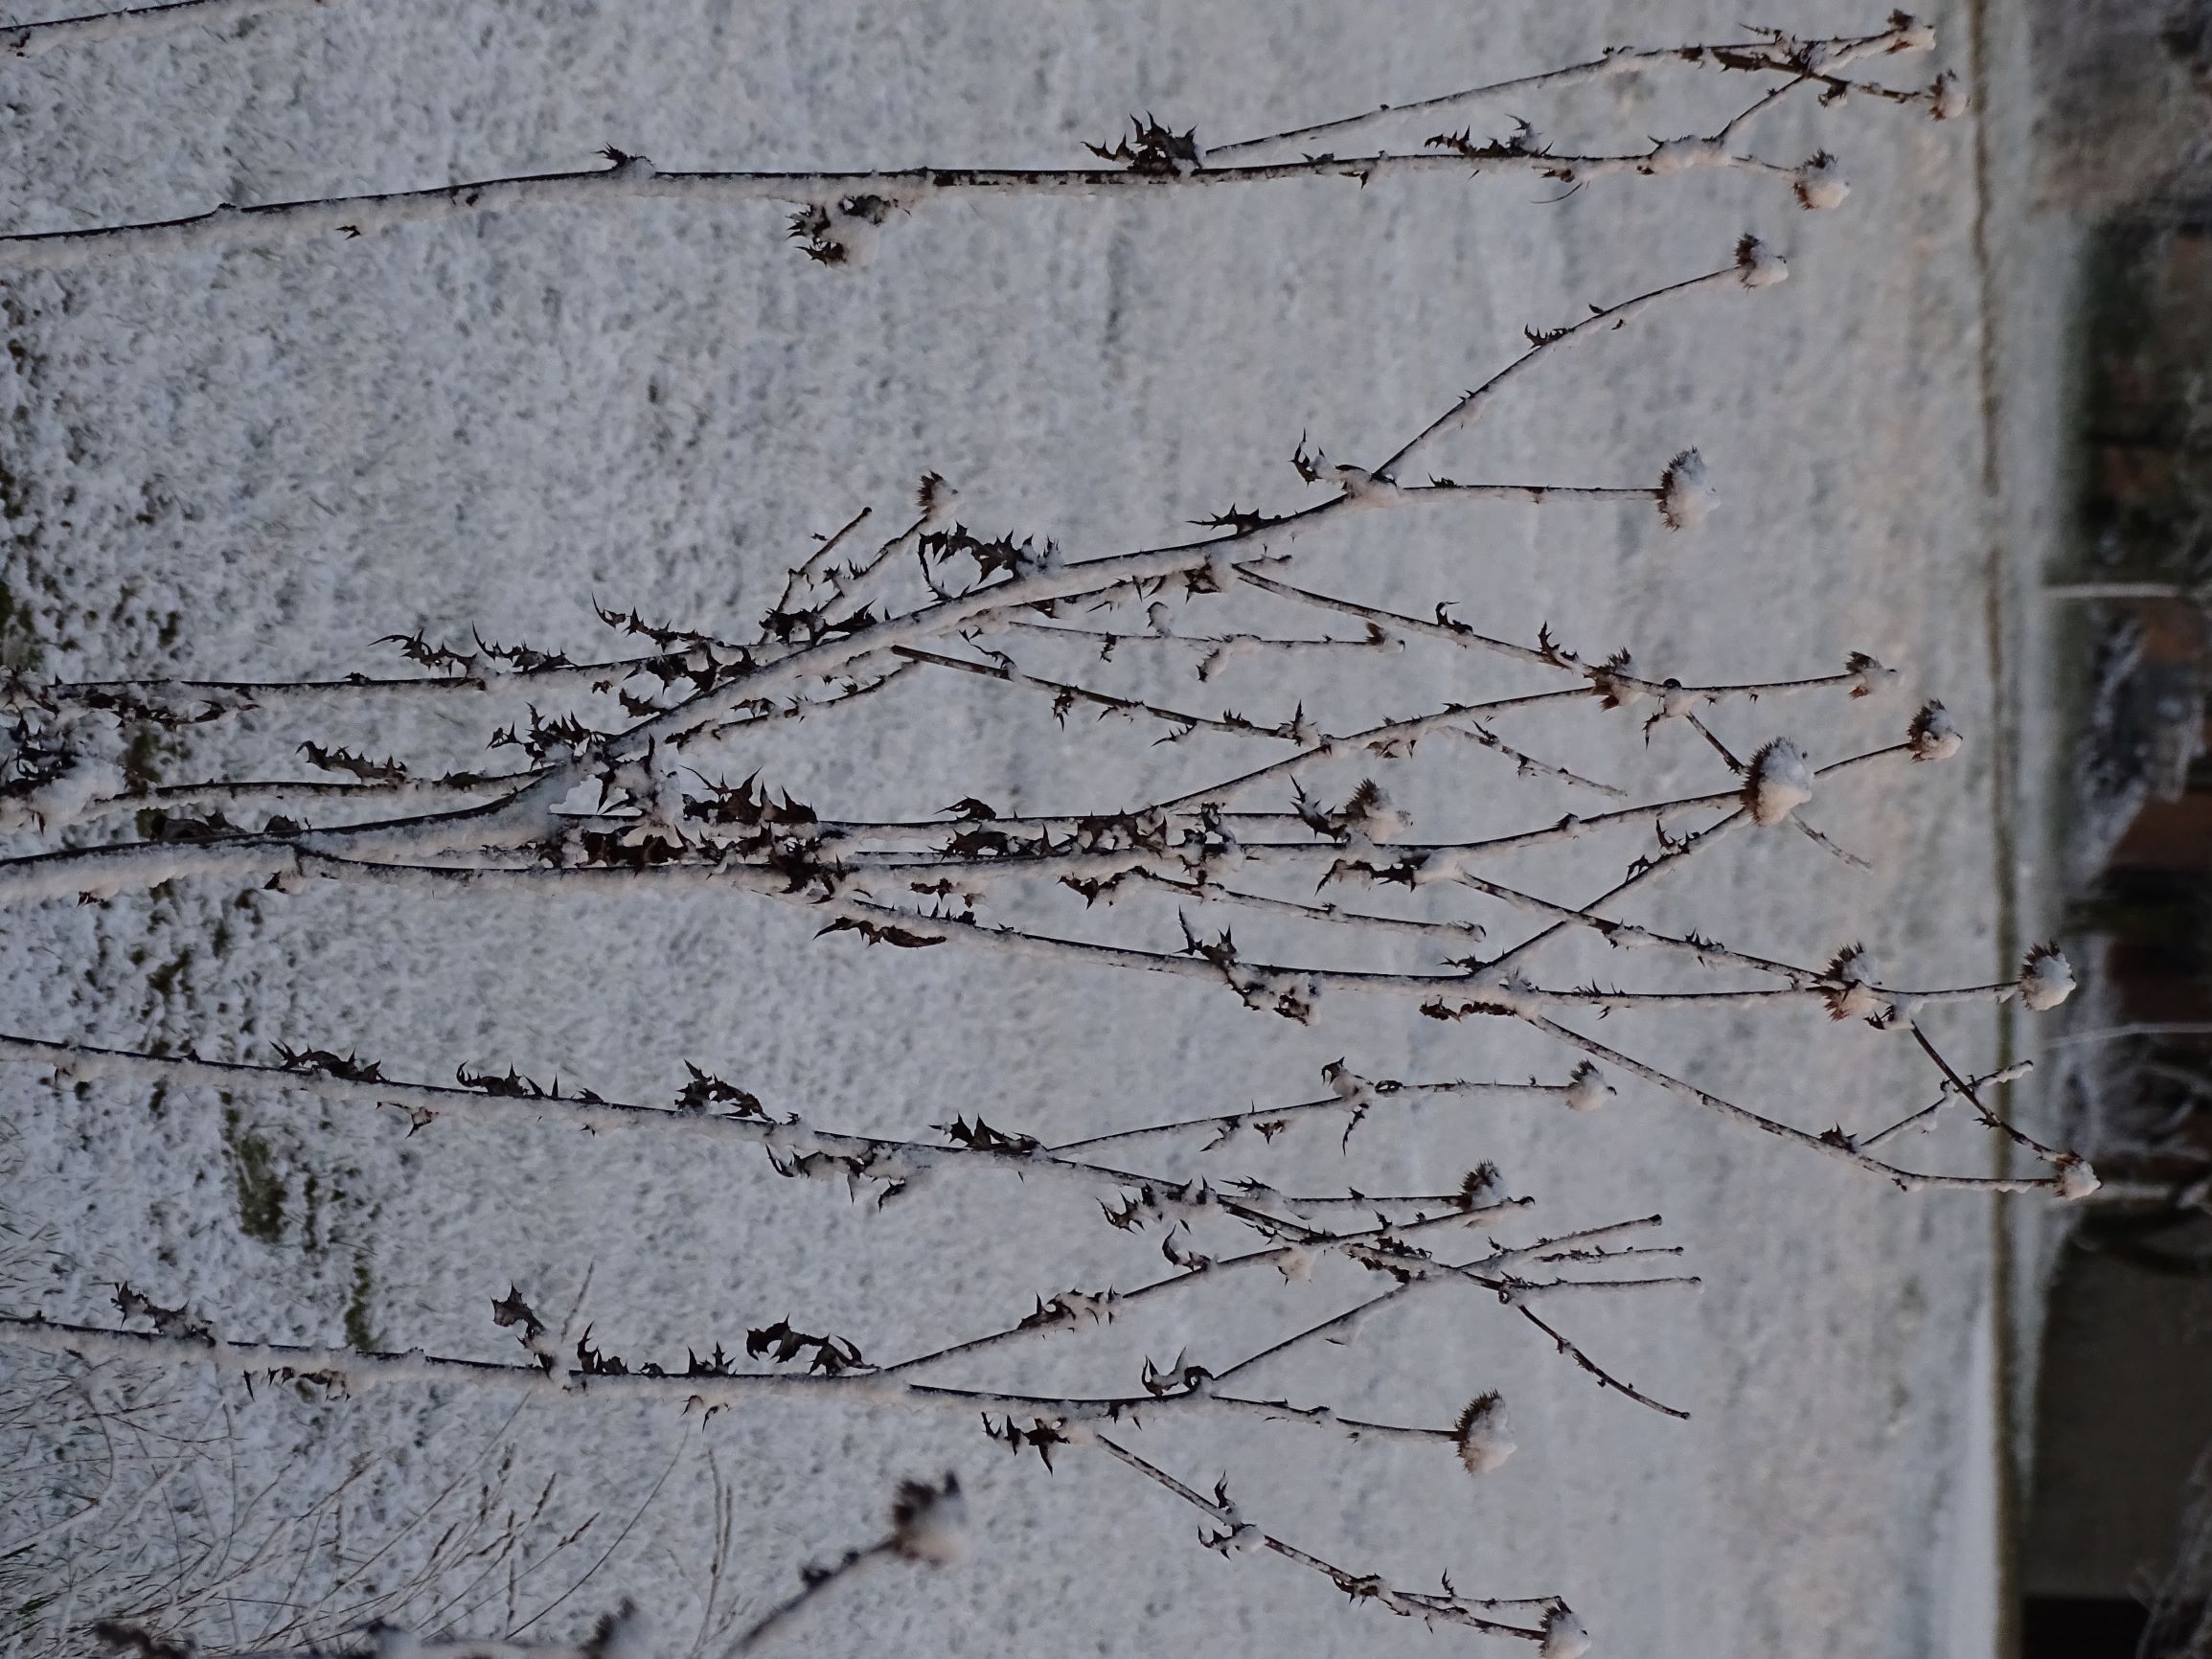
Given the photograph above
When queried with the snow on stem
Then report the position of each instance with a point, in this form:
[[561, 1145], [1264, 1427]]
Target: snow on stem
[[840, 214], [137, 23]]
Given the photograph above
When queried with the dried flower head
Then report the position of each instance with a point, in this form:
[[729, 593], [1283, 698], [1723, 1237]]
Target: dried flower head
[[625, 1633], [2076, 1179], [1616, 681], [1686, 495], [1587, 1089], [930, 1523], [1912, 34], [2046, 978], [1759, 265], [1933, 736], [1872, 676], [1779, 783], [1821, 183], [1564, 1636], [1855, 973], [935, 501], [1484, 1435]]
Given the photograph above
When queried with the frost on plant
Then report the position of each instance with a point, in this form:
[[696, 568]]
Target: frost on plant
[[1780, 781], [1564, 1636], [1686, 494], [2046, 978], [1271, 857], [1587, 1089], [1821, 183], [1759, 265], [1484, 1435], [1933, 735], [1852, 992]]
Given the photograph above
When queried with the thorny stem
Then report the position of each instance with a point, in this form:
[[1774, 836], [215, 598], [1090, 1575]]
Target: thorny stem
[[634, 179], [850, 200], [896, 1164], [522, 814], [1605, 1378], [1602, 676], [1223, 1125], [1969, 1090], [1772, 52], [355, 1370], [2010, 1073], [140, 23], [1100, 1307], [1453, 1608], [1472, 404], [1682, 849], [1834, 1146], [1005, 669], [779, 1620], [1479, 991]]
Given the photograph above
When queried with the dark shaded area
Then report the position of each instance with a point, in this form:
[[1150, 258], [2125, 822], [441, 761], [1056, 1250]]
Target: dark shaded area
[[2116, 1545], [2081, 1627]]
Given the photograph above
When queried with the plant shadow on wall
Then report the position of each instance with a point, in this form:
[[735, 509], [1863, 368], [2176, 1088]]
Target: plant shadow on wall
[[622, 772]]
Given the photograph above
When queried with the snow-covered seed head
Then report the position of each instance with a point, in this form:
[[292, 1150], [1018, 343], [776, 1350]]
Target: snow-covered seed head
[[625, 1633], [1933, 735], [1947, 98], [1855, 974], [2046, 978], [1759, 265], [930, 1523], [1372, 813], [1912, 34], [1564, 1636], [1780, 782], [1481, 1187], [1686, 495], [2076, 1179], [1483, 1436], [1616, 681], [1821, 183], [935, 501], [1345, 1083], [1871, 675], [1587, 1089]]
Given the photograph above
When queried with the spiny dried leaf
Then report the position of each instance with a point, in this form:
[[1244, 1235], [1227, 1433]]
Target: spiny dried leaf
[[981, 1136], [174, 1322], [323, 1061], [880, 933], [341, 760], [780, 1342], [705, 1090], [1149, 147], [512, 1309]]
